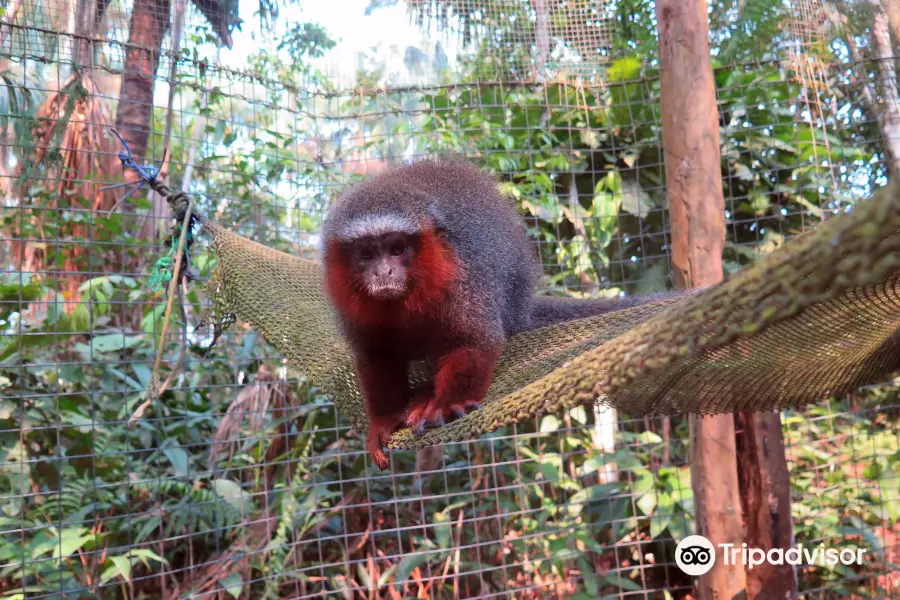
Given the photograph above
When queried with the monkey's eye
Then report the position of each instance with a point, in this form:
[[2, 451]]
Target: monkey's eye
[[398, 248], [365, 254]]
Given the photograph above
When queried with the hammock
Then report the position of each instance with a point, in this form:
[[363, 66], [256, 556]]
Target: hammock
[[818, 317]]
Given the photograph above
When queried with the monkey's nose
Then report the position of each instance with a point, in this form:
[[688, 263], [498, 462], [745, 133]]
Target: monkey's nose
[[384, 271]]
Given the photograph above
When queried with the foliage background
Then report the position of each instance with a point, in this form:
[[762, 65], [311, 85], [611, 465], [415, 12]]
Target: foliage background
[[242, 480]]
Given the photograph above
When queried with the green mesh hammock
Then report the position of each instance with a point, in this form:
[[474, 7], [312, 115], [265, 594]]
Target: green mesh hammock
[[816, 318]]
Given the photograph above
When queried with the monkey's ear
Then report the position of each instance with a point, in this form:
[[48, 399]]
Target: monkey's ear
[[437, 217]]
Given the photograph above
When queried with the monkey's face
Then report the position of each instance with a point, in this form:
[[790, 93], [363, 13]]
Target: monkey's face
[[382, 264]]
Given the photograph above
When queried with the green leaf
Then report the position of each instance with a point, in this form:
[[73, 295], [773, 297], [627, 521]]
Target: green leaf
[[579, 415], [770, 142], [647, 502], [590, 494], [81, 318], [742, 172], [149, 526], [624, 69], [70, 541], [10, 293], [120, 566], [144, 555], [662, 516], [860, 527], [872, 470], [97, 283], [179, 459], [125, 378], [643, 481], [549, 424], [363, 573], [7, 409], [219, 131], [622, 583], [410, 563], [606, 210], [233, 493], [143, 373], [152, 321], [634, 199], [386, 575], [681, 525], [442, 529], [590, 138], [590, 578], [114, 342], [233, 584], [646, 437], [47, 335]]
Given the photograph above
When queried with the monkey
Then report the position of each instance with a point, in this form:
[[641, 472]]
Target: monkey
[[426, 260], [429, 261], [549, 310]]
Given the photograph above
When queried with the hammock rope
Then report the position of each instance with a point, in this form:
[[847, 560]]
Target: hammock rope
[[818, 317]]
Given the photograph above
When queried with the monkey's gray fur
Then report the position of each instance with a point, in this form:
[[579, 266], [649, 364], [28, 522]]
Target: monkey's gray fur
[[500, 262], [547, 310]]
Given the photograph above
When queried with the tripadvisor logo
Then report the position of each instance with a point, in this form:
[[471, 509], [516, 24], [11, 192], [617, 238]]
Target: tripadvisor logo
[[695, 555]]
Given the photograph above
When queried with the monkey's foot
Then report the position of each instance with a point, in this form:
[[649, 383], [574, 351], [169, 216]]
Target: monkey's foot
[[376, 449], [458, 411], [429, 415], [380, 431]]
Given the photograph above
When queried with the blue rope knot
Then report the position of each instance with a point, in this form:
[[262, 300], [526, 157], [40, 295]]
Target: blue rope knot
[[148, 173], [161, 273]]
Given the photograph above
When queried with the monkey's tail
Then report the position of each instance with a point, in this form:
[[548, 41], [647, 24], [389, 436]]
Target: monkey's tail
[[547, 310]]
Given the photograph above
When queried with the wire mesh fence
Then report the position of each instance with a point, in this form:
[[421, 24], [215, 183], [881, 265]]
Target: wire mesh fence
[[242, 480]]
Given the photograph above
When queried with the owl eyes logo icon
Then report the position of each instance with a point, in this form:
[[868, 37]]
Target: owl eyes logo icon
[[695, 555]]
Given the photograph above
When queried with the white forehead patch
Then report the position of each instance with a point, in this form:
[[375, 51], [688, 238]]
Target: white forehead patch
[[379, 224]]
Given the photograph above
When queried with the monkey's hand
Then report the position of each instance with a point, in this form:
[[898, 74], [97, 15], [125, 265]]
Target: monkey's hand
[[382, 427], [386, 396], [463, 377], [380, 430]]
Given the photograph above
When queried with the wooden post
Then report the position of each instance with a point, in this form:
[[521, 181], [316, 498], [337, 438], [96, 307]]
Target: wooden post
[[766, 501], [717, 502], [690, 125]]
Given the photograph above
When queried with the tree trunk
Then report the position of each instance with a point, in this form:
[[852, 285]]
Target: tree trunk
[[766, 501], [887, 74], [541, 38], [717, 501], [149, 23], [6, 24], [886, 113], [892, 10], [83, 50], [690, 128]]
